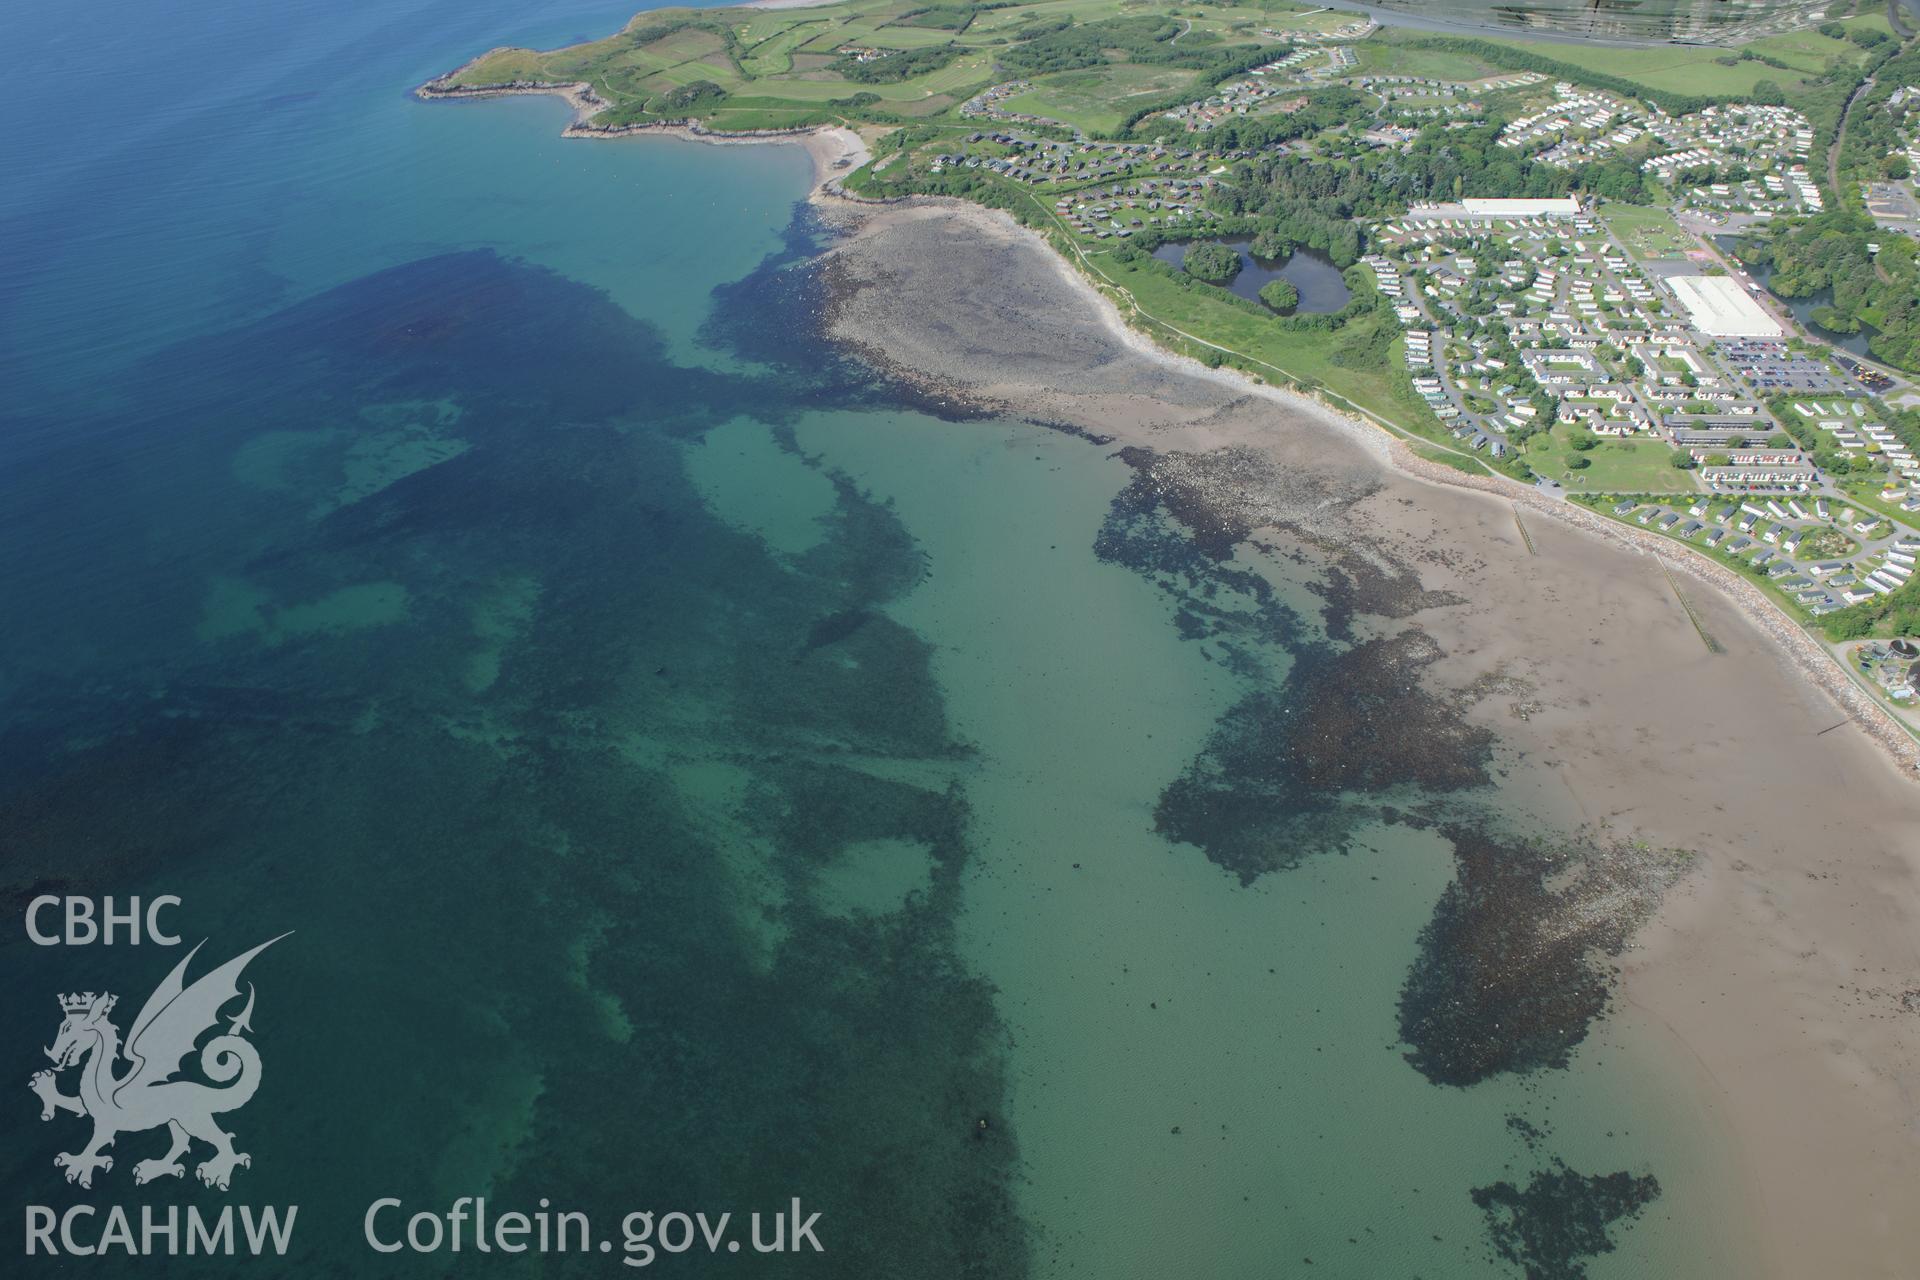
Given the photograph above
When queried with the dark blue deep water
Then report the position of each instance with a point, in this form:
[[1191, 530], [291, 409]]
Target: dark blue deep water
[[693, 776], [354, 585]]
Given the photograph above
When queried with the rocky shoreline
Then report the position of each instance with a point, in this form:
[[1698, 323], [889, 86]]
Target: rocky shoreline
[[1769, 979], [578, 95], [1804, 652]]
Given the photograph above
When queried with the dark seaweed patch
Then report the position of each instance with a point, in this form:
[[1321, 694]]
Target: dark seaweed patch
[[812, 810], [836, 627], [1289, 770], [1561, 1218], [525, 811], [1222, 498], [1146, 531], [1513, 967], [1286, 772], [780, 315], [1353, 583]]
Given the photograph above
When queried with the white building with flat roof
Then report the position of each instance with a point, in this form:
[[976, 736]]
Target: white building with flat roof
[[1721, 306], [1488, 209], [1561, 207]]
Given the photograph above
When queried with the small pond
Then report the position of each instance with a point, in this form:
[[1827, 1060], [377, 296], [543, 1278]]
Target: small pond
[[1322, 288], [1802, 308]]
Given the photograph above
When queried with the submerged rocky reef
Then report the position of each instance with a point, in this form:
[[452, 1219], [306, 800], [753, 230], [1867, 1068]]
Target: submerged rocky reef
[[1515, 965], [448, 666], [1287, 770], [1549, 1227]]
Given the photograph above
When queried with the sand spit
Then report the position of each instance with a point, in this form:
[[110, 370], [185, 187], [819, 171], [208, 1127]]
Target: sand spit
[[1785, 967]]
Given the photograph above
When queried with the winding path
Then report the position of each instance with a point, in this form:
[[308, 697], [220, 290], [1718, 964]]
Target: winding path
[[1840, 137]]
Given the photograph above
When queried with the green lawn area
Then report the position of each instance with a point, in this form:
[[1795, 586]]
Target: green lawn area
[[1384, 56], [1864, 495], [1619, 466], [1097, 100], [1695, 69], [1236, 22], [1315, 19], [1809, 51], [1812, 52], [1689, 69], [1303, 353], [772, 55], [1648, 232], [965, 72], [1012, 19]]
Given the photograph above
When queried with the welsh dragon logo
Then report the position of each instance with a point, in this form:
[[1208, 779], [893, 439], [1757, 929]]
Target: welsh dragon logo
[[146, 1095]]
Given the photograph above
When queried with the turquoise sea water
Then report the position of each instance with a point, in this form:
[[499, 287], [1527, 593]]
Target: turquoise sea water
[[694, 778]]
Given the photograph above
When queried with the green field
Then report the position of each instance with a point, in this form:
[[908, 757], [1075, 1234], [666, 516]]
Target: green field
[[760, 68], [1647, 231], [1619, 466], [1688, 69], [1811, 51], [1383, 55], [1097, 100], [1696, 69]]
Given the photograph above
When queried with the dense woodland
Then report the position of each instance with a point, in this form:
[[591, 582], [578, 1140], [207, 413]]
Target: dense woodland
[[1827, 256], [1318, 200], [1060, 44], [1877, 131], [895, 67]]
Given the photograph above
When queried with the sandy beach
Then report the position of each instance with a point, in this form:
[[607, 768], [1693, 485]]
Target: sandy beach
[[1786, 967]]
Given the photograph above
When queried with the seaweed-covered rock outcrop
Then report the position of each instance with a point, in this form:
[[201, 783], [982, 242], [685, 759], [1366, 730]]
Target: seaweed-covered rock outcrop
[[1551, 1226], [1286, 770], [1515, 965]]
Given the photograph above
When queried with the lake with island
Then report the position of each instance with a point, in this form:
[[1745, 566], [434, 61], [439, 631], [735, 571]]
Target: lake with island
[[1802, 308], [1323, 289]]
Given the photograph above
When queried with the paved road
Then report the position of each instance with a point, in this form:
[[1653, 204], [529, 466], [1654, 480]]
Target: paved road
[[1533, 35]]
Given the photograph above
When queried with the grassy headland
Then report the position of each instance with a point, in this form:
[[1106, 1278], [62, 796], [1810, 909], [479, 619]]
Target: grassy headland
[[1116, 126]]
